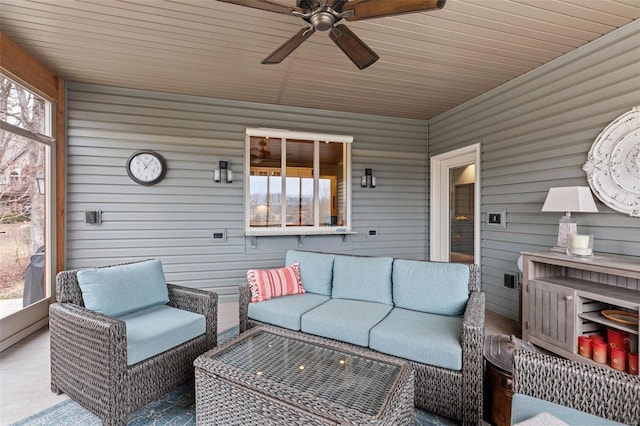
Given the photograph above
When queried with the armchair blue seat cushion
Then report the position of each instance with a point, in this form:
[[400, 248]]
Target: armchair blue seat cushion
[[420, 286], [524, 407], [122, 289], [362, 278], [285, 311], [345, 320], [422, 337], [157, 329], [316, 270]]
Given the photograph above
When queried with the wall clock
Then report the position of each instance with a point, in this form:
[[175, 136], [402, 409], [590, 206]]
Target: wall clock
[[146, 167], [613, 164]]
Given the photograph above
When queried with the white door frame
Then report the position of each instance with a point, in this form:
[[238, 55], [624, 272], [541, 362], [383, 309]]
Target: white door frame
[[439, 200]]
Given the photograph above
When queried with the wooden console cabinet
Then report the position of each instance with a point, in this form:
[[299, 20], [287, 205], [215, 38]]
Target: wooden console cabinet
[[563, 296]]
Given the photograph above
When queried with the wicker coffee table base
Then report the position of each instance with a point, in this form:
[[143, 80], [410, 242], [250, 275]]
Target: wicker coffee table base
[[223, 396]]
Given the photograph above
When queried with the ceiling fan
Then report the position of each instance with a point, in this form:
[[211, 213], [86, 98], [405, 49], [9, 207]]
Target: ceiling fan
[[259, 155], [323, 15]]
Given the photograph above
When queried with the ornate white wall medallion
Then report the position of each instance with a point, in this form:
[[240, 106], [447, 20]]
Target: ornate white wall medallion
[[613, 164]]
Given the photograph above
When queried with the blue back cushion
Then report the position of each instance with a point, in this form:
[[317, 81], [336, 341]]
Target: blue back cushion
[[316, 270], [362, 278], [436, 288], [119, 290]]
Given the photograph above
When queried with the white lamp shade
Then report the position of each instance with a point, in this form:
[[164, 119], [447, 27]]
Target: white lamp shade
[[570, 199]]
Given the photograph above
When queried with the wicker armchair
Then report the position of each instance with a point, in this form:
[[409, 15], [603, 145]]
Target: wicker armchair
[[89, 353], [593, 390]]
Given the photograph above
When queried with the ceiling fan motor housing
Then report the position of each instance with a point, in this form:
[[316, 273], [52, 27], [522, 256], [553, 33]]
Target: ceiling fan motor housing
[[322, 21]]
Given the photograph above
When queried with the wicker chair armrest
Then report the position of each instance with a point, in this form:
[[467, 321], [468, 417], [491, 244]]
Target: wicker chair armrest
[[472, 357], [595, 390], [103, 342], [200, 302], [243, 305]]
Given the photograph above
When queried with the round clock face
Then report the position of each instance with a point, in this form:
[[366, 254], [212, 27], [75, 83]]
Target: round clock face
[[146, 167]]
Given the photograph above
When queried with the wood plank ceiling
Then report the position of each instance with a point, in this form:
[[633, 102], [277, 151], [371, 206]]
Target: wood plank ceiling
[[430, 62]]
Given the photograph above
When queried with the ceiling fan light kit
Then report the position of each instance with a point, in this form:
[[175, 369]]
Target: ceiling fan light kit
[[324, 15]]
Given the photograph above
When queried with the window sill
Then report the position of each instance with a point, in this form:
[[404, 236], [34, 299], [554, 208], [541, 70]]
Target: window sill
[[253, 234], [273, 232]]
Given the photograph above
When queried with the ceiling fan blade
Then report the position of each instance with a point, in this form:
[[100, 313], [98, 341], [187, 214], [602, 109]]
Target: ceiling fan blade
[[268, 5], [289, 46], [367, 9], [359, 53]]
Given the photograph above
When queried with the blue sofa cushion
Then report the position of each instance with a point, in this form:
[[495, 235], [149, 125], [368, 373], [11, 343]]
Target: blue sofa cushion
[[524, 407], [345, 320], [157, 329], [422, 337], [437, 288], [316, 270], [119, 290], [362, 278], [285, 311]]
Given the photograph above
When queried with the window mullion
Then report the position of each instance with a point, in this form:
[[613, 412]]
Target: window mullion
[[283, 182], [316, 183]]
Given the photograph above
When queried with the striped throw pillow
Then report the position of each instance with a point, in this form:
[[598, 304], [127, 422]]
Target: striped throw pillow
[[269, 283]]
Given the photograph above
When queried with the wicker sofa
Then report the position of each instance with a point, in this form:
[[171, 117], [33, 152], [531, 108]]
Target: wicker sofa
[[94, 362], [572, 392], [369, 301]]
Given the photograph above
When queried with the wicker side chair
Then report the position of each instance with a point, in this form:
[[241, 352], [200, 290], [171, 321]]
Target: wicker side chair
[[598, 391], [89, 353]]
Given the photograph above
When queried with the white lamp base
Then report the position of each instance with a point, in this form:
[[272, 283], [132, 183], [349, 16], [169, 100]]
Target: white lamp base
[[566, 226]]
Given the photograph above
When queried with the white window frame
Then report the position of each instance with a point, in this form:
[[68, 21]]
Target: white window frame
[[283, 135]]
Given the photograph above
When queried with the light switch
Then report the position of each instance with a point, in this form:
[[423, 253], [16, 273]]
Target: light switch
[[497, 218]]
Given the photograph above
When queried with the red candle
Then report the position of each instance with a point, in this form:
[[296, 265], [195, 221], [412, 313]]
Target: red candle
[[596, 337], [599, 352], [584, 346], [618, 339], [619, 359], [633, 364]]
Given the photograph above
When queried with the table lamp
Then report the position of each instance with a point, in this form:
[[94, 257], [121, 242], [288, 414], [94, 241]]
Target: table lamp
[[568, 199]]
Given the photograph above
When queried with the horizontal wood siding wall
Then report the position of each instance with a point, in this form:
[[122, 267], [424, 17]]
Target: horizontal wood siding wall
[[173, 220], [535, 133]]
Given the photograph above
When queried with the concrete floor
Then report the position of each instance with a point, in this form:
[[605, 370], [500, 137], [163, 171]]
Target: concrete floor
[[25, 375]]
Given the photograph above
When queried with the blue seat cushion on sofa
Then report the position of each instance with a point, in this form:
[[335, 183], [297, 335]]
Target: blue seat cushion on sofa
[[285, 311], [118, 290], [437, 288], [345, 320], [524, 407], [157, 329], [316, 270], [362, 278], [422, 337]]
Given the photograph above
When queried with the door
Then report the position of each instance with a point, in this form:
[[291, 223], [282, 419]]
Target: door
[[455, 206], [551, 314]]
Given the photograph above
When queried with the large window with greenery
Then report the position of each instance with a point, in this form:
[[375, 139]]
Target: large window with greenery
[[297, 183]]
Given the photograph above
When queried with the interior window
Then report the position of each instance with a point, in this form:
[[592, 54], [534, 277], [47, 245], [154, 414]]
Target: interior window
[[298, 183]]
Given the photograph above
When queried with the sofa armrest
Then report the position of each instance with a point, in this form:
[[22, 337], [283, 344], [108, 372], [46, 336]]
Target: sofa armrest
[[200, 302], [243, 305], [595, 390], [83, 340], [472, 356]]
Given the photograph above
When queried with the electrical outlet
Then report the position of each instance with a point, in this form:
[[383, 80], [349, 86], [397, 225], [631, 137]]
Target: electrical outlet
[[219, 235], [372, 233], [511, 281]]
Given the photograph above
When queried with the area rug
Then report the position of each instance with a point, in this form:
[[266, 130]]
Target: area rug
[[177, 408]]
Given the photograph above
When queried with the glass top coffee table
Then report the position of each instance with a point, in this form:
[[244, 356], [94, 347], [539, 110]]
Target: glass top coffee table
[[274, 376]]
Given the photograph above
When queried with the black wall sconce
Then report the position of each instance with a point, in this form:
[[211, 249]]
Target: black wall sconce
[[368, 180], [222, 173]]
